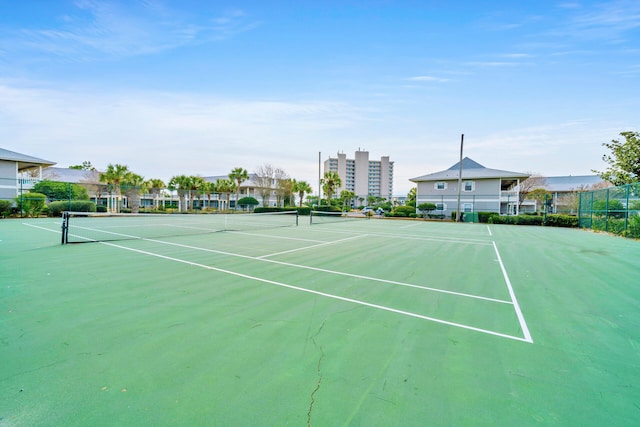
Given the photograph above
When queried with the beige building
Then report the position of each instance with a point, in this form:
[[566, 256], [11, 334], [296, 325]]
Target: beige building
[[361, 175]]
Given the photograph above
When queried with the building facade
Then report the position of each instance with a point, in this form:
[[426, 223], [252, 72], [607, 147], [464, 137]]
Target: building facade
[[483, 189], [363, 176]]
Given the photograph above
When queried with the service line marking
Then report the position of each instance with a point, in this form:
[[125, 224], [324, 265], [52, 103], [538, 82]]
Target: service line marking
[[324, 294]]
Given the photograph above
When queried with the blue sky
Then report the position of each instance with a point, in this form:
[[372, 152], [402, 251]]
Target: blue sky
[[200, 87]]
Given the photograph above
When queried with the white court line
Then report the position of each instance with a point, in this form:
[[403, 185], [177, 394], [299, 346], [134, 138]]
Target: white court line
[[516, 306], [410, 225], [338, 273], [271, 236], [311, 247], [306, 267], [489, 230], [523, 325], [324, 294], [402, 236]]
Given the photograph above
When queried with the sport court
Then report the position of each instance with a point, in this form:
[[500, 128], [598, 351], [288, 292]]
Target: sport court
[[352, 322]]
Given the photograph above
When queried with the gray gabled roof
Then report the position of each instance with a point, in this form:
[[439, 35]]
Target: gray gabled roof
[[74, 176], [570, 183], [24, 161], [470, 170], [251, 182]]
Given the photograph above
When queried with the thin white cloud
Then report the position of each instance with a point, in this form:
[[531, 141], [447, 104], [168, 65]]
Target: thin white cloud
[[428, 79], [96, 30]]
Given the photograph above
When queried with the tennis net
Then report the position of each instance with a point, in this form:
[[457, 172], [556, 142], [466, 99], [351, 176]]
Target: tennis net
[[84, 227], [322, 217]]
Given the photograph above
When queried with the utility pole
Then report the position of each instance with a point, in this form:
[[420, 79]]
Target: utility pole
[[458, 213]]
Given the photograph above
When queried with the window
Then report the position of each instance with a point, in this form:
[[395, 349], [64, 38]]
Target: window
[[469, 186], [440, 186], [467, 207], [441, 206]]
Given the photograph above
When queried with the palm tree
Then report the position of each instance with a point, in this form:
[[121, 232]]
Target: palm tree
[[196, 186], [239, 175], [134, 185], [181, 184], [113, 176], [346, 196], [155, 186], [301, 187], [226, 186], [330, 183], [208, 189]]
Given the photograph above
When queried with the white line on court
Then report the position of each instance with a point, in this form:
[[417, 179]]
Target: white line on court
[[516, 306], [489, 230], [305, 267], [311, 247], [338, 273], [271, 236], [429, 239], [324, 294]]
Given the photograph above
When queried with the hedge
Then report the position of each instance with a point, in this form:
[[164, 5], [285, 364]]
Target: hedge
[[56, 208]]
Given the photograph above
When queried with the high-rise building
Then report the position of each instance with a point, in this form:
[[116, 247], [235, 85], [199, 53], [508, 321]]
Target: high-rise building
[[363, 176]]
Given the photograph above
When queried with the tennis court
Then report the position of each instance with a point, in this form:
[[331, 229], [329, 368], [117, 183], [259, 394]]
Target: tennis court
[[352, 322]]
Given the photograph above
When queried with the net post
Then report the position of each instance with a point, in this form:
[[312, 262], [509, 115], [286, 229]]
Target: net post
[[297, 214], [65, 228]]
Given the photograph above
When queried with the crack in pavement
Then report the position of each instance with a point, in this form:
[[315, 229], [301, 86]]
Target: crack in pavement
[[319, 370]]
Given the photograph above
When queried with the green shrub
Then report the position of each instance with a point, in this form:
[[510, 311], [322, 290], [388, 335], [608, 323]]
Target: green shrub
[[31, 204], [557, 220], [484, 216], [56, 208], [5, 208], [248, 202], [403, 211]]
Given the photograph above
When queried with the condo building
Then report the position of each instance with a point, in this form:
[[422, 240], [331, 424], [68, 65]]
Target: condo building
[[361, 175]]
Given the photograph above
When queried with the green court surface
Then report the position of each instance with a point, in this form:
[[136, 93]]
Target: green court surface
[[358, 323]]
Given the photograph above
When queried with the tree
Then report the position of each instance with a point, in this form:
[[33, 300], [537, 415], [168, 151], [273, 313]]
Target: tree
[[197, 186], [113, 176], [411, 197], [155, 187], [60, 190], [283, 186], [535, 180], [301, 187], [540, 195], [133, 185], [85, 166], [346, 196], [264, 181], [91, 181], [427, 208], [226, 187], [624, 160], [248, 201], [239, 175], [209, 189], [181, 184], [330, 183]]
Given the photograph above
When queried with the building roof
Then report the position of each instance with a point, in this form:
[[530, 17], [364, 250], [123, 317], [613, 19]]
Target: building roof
[[75, 176], [251, 182], [570, 183], [470, 170], [24, 161]]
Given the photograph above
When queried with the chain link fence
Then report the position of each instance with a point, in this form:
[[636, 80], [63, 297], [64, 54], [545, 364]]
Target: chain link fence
[[614, 210]]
